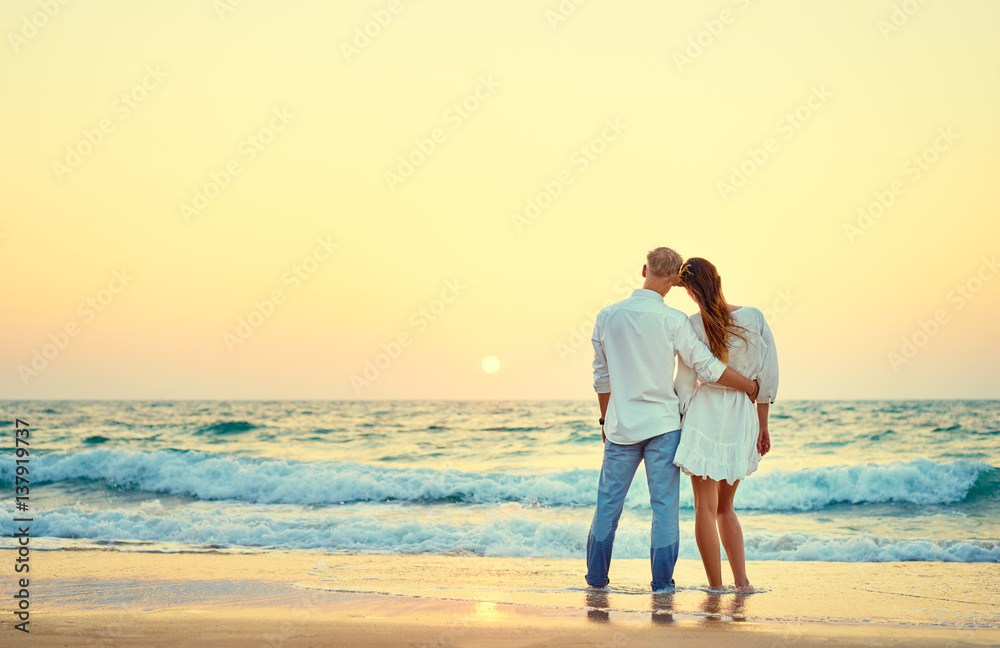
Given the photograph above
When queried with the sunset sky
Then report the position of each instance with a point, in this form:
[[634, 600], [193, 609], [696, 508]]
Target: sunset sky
[[261, 200]]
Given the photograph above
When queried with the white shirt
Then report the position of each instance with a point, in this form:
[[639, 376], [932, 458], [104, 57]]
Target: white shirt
[[635, 343]]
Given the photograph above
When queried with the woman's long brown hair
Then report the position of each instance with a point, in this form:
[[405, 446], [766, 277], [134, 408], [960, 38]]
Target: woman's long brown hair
[[701, 277]]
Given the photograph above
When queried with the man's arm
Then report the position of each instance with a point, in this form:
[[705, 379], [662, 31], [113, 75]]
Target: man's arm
[[602, 377], [698, 356], [734, 380], [602, 400]]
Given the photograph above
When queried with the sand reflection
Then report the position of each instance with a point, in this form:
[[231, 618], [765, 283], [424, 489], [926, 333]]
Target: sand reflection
[[597, 606], [724, 606]]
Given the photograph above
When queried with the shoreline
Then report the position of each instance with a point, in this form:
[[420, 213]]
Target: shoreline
[[306, 598]]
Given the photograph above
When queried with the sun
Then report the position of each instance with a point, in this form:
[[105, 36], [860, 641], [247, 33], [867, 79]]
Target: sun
[[491, 364]]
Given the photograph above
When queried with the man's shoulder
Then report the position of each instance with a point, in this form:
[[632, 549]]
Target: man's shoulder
[[626, 303], [634, 304], [674, 314], [610, 307]]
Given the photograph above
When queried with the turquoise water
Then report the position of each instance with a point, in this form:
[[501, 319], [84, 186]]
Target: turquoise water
[[846, 481]]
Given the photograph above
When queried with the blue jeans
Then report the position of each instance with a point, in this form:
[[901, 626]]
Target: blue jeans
[[663, 477]]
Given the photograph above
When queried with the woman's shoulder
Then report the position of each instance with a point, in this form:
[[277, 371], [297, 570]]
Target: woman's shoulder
[[698, 324], [752, 319], [751, 312]]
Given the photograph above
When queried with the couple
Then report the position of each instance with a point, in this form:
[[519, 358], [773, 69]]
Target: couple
[[726, 361]]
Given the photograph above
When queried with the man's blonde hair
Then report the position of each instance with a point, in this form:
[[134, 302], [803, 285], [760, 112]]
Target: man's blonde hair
[[664, 262]]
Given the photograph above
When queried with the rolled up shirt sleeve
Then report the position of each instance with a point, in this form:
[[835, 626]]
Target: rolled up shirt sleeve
[[602, 377], [768, 376], [696, 354]]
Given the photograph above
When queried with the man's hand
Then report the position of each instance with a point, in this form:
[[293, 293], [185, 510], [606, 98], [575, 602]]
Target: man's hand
[[604, 439], [764, 441], [739, 382]]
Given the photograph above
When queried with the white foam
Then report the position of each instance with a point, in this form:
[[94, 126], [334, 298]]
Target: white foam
[[509, 535], [208, 476]]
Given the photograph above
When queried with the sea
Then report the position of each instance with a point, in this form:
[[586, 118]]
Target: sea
[[846, 481]]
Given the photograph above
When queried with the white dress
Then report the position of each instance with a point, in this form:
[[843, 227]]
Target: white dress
[[719, 425]]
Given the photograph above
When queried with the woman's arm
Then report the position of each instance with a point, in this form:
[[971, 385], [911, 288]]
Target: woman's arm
[[768, 376], [764, 438]]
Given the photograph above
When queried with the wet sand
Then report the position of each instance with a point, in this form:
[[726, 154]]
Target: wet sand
[[123, 598]]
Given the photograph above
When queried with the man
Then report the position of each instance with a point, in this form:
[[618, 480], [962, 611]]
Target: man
[[635, 343]]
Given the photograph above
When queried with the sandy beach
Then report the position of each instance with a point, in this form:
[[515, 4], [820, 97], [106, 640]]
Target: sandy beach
[[125, 598]]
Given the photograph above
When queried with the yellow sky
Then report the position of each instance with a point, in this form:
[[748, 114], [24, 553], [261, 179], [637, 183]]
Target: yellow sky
[[325, 171]]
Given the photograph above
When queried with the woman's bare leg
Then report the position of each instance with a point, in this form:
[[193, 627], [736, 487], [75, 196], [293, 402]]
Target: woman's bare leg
[[731, 532], [706, 502]]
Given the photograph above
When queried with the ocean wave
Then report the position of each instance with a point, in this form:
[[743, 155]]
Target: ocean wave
[[505, 534], [227, 427], [920, 481], [866, 548], [209, 476]]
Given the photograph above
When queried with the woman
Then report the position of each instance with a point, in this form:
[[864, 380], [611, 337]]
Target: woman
[[723, 436]]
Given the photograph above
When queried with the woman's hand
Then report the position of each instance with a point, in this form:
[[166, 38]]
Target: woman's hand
[[763, 441]]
